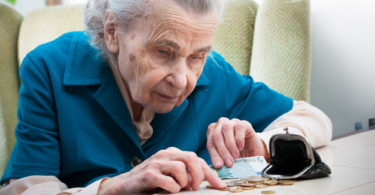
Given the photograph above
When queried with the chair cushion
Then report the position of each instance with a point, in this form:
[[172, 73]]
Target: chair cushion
[[234, 36]]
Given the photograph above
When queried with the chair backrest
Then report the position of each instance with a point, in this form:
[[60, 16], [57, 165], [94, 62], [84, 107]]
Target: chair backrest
[[10, 21], [234, 35], [46, 24], [281, 51]]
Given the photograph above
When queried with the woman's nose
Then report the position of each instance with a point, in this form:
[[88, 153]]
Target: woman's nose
[[178, 77]]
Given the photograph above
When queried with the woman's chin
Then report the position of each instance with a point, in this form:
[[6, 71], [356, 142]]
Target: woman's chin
[[161, 108]]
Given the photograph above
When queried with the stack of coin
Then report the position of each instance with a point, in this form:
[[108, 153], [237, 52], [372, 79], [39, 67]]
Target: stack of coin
[[235, 189], [250, 183], [270, 182], [255, 179]]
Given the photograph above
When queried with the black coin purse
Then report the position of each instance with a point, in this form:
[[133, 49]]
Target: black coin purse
[[292, 157]]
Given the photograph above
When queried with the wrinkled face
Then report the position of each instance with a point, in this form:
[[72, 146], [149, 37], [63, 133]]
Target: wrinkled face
[[162, 58]]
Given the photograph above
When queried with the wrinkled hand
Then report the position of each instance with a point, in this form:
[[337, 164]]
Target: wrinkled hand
[[231, 139], [170, 169]]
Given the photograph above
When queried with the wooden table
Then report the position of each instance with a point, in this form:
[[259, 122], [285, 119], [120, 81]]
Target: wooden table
[[352, 160]]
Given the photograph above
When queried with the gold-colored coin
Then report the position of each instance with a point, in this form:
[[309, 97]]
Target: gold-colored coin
[[235, 189], [287, 182], [247, 188], [271, 182], [268, 192], [210, 186], [221, 189], [260, 186], [247, 185]]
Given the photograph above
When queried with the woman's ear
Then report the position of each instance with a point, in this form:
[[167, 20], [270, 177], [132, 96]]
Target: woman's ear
[[111, 32]]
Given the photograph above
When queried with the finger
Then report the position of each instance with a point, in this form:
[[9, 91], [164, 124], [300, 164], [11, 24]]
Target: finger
[[210, 128], [228, 132], [187, 187], [212, 177], [218, 141], [177, 170], [216, 160], [193, 165], [165, 182], [250, 132], [253, 144], [240, 131]]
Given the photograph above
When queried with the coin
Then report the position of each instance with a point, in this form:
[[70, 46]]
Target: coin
[[210, 186], [287, 182], [268, 192], [235, 189], [255, 179], [239, 183], [231, 183], [260, 186], [247, 188], [221, 189], [271, 182], [247, 185], [243, 180], [236, 180]]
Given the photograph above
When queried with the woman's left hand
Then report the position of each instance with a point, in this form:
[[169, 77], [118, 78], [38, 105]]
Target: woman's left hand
[[231, 139]]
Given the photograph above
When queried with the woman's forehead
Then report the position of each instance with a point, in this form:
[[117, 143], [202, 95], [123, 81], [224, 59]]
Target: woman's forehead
[[176, 23]]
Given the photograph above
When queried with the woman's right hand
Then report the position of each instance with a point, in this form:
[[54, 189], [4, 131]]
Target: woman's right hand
[[170, 169]]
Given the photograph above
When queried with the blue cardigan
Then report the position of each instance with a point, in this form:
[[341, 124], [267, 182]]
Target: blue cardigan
[[74, 123]]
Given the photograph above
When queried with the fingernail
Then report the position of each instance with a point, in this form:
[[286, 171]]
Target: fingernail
[[228, 162], [222, 184], [217, 164]]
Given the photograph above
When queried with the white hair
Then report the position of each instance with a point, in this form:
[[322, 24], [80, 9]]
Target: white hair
[[127, 11]]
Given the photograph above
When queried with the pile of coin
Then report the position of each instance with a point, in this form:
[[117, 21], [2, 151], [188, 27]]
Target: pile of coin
[[250, 183]]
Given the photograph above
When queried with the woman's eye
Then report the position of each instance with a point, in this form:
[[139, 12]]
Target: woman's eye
[[162, 52], [195, 60], [196, 57]]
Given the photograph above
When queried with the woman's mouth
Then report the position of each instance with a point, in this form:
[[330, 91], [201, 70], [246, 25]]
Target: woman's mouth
[[168, 98]]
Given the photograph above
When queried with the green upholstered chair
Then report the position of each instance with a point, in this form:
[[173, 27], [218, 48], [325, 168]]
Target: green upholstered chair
[[274, 38], [10, 21]]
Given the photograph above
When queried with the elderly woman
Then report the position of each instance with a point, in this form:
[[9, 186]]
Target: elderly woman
[[139, 102]]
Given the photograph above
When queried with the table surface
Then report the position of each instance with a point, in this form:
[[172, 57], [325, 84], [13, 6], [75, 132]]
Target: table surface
[[352, 161]]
